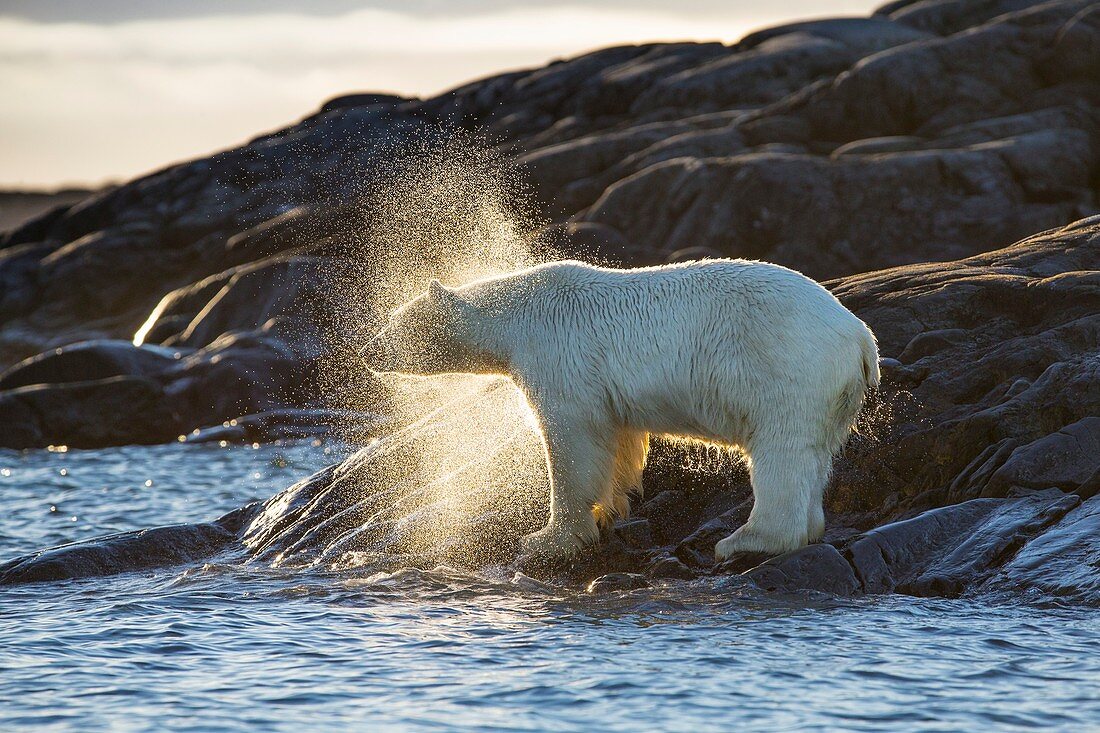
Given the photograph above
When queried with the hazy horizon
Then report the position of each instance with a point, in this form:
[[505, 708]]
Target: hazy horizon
[[102, 92]]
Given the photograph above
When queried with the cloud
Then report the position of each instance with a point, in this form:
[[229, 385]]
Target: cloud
[[86, 102]]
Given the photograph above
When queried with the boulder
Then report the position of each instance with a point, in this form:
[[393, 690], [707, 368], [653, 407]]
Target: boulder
[[89, 360], [88, 414]]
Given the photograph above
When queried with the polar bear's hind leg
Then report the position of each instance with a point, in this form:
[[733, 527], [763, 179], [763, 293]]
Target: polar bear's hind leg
[[787, 487]]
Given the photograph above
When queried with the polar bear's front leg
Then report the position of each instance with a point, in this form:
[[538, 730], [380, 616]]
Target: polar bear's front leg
[[581, 464]]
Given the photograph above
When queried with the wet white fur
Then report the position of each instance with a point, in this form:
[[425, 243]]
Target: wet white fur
[[740, 353]]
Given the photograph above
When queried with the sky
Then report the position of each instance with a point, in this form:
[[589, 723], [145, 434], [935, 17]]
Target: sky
[[96, 91]]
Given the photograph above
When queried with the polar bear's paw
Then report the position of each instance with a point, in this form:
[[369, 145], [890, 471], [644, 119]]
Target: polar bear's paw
[[550, 543], [750, 541]]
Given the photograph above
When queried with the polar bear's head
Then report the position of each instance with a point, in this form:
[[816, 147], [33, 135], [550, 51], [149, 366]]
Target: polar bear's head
[[437, 332]]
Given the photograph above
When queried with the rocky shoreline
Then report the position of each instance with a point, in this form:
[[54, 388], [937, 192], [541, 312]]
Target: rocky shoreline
[[900, 155]]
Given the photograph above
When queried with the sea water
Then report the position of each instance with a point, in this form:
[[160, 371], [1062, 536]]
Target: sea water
[[224, 646]]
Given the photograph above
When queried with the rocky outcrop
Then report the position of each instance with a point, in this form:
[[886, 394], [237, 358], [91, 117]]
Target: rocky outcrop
[[250, 343], [930, 131], [196, 302], [995, 357], [977, 470]]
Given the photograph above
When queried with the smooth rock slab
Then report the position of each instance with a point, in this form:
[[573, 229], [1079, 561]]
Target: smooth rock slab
[[1063, 562], [944, 551], [127, 551]]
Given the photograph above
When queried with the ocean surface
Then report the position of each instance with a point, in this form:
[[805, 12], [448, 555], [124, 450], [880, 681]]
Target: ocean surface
[[225, 646]]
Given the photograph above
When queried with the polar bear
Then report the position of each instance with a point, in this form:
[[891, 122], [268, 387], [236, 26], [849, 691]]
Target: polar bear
[[741, 353]]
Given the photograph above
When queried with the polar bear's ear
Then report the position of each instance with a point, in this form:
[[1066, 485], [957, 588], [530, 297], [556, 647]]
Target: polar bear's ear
[[442, 296]]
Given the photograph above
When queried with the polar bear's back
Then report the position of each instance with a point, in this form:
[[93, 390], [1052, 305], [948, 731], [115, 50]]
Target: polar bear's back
[[755, 290], [709, 348]]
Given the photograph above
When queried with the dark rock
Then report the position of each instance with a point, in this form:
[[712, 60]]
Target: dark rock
[[1065, 459], [128, 551], [289, 424], [1023, 369], [879, 145], [345, 101], [930, 132], [1062, 563], [947, 550], [255, 294], [740, 562], [667, 566], [951, 16], [816, 567], [92, 414], [931, 342], [615, 582], [831, 216], [89, 360], [635, 533], [867, 35], [596, 243], [697, 549], [693, 253]]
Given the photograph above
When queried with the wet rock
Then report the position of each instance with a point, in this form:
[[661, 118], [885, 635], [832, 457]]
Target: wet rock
[[816, 567], [1062, 563], [87, 361], [290, 424], [128, 551], [294, 287], [635, 533], [947, 550], [697, 549], [670, 567], [615, 582], [90, 414], [930, 132], [162, 397]]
